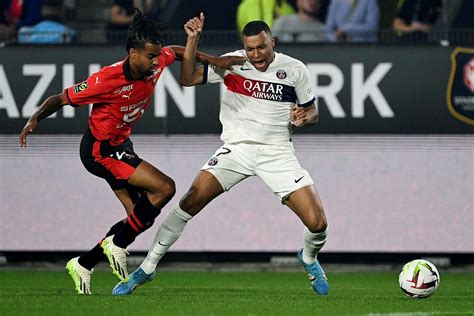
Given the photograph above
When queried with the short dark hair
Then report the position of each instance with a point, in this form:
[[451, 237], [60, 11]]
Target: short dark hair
[[144, 30], [255, 27]]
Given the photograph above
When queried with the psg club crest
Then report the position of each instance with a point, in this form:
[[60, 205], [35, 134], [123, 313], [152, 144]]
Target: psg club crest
[[460, 94], [281, 74], [213, 161]]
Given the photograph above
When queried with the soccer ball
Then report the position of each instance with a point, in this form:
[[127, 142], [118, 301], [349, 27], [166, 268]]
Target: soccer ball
[[419, 278]]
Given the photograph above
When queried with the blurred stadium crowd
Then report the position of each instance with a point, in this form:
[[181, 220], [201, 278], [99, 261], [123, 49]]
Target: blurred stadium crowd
[[308, 21]]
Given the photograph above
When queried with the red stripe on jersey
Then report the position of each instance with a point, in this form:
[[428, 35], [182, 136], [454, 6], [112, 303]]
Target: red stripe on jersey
[[236, 83], [96, 151], [117, 100], [119, 169], [266, 90]]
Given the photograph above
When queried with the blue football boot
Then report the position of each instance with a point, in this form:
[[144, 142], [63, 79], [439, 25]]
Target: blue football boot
[[137, 278], [319, 281]]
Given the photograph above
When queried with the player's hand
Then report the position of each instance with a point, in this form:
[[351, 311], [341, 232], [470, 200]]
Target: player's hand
[[298, 115], [30, 126], [194, 26], [226, 62]]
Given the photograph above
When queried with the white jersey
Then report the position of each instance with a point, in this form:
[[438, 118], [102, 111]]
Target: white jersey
[[256, 105]]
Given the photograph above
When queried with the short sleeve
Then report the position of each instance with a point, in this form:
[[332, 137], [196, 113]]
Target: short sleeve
[[213, 74], [92, 90], [304, 92], [168, 55]]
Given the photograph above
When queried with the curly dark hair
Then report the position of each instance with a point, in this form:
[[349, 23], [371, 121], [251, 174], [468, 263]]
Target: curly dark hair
[[144, 30]]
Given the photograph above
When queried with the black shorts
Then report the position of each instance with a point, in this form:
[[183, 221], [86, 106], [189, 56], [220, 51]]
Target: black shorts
[[115, 164]]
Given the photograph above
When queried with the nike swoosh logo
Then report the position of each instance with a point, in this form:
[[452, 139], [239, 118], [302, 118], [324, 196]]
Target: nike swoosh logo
[[242, 68], [163, 244], [298, 180]]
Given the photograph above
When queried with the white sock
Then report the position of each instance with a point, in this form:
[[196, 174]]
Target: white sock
[[313, 242], [168, 232]]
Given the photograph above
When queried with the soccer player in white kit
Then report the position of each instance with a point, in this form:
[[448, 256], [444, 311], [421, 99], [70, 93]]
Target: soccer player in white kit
[[264, 97]]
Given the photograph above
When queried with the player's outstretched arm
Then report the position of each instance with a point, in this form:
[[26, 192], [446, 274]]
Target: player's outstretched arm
[[223, 62], [189, 75], [48, 107], [226, 62], [300, 116]]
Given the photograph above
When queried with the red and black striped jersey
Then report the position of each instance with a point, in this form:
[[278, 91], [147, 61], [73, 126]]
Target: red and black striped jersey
[[118, 100]]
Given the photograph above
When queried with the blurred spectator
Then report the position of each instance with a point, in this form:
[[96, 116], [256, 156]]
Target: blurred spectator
[[388, 12], [121, 16], [323, 10], [49, 31], [69, 9], [416, 18], [353, 21], [4, 5], [463, 16], [265, 10], [163, 10], [16, 14], [302, 26], [147, 6], [175, 13], [5, 29], [24, 13]]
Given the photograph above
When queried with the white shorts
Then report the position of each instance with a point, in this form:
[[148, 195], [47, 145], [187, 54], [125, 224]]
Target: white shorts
[[275, 165]]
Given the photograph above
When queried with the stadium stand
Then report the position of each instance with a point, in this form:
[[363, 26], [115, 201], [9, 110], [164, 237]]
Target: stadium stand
[[89, 19]]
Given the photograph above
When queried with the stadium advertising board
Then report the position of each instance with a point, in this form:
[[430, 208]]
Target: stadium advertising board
[[395, 189], [360, 89], [391, 193]]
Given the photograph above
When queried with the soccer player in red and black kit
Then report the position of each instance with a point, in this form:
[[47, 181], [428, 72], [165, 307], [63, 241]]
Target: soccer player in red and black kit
[[120, 93]]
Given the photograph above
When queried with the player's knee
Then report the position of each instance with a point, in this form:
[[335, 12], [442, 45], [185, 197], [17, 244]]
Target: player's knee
[[189, 200], [317, 225], [193, 201], [163, 192], [168, 189]]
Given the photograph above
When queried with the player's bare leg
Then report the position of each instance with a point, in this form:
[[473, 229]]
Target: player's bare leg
[[125, 199], [159, 189], [203, 190], [305, 202]]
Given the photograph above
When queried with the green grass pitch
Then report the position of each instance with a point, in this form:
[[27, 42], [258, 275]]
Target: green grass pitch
[[232, 293]]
